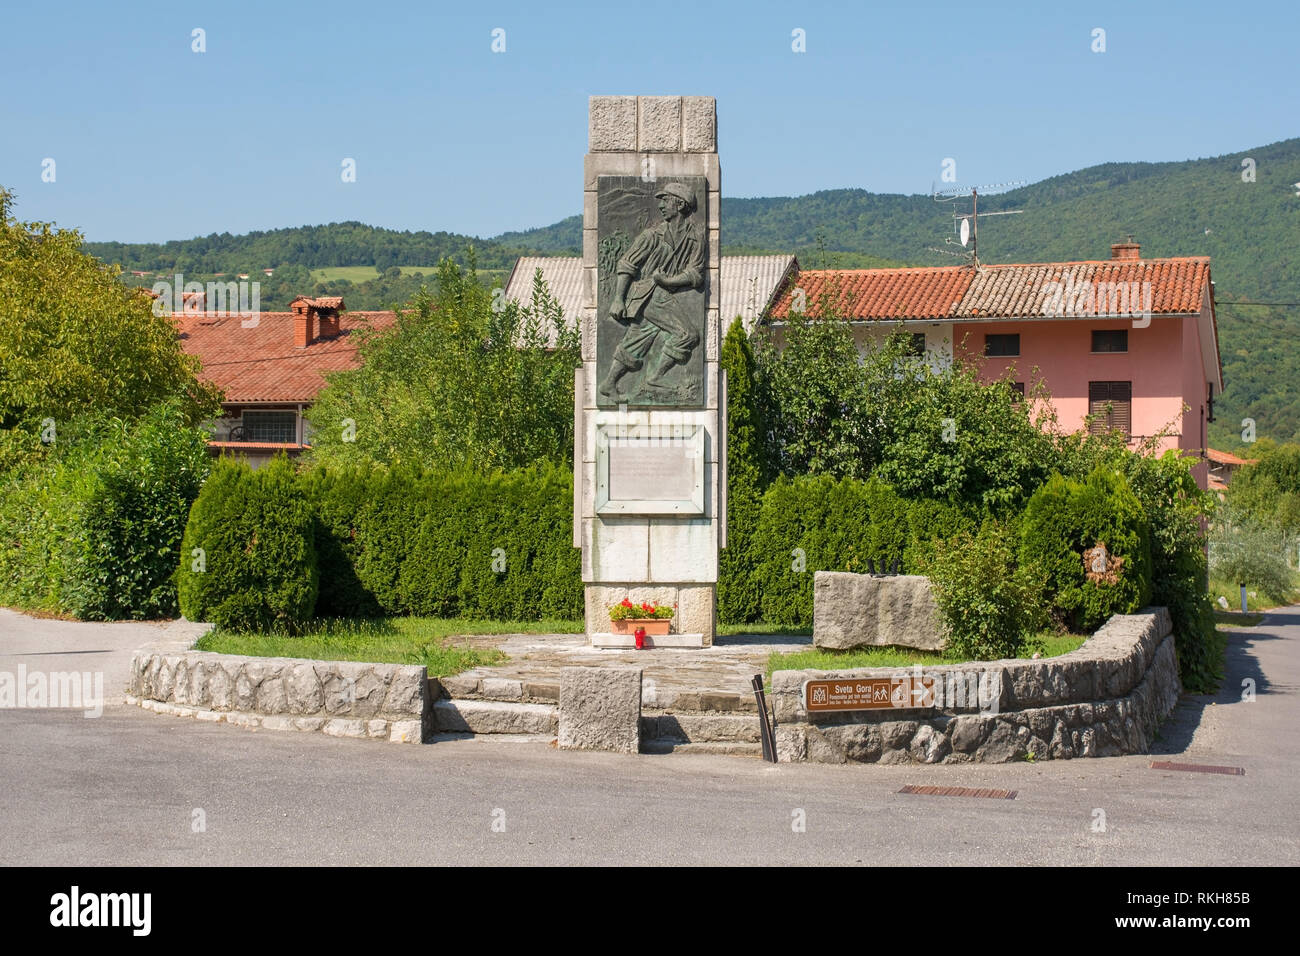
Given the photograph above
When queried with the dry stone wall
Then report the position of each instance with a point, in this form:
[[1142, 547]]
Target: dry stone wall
[[339, 698], [1104, 699]]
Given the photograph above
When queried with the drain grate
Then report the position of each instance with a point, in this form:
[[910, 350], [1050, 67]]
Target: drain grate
[[960, 792], [1196, 768]]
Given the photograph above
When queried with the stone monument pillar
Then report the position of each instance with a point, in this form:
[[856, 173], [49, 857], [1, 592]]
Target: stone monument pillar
[[650, 403]]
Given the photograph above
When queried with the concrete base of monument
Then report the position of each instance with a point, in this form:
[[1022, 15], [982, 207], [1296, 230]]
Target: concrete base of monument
[[628, 641]]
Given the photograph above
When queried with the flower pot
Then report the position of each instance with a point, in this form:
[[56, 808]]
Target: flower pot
[[652, 625]]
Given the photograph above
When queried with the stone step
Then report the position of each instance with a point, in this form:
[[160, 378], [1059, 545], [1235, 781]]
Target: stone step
[[495, 717], [462, 687], [546, 739], [664, 746], [701, 728]]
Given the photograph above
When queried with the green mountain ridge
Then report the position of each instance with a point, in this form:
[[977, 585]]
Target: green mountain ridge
[[1199, 207]]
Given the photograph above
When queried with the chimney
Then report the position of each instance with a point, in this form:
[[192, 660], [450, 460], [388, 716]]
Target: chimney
[[1126, 250], [329, 323], [304, 323]]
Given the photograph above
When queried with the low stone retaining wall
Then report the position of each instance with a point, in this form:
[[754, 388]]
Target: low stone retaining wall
[[1104, 699], [339, 698]]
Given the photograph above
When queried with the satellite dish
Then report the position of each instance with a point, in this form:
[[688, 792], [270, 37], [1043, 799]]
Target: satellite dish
[[965, 232]]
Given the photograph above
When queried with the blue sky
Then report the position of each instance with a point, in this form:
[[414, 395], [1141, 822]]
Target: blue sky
[[152, 141]]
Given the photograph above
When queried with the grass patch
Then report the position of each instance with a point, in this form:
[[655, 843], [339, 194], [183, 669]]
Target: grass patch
[[354, 274], [395, 640], [1236, 618], [1255, 599], [731, 630], [1047, 644]]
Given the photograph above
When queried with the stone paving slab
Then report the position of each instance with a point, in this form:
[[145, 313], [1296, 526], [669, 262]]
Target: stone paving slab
[[708, 678]]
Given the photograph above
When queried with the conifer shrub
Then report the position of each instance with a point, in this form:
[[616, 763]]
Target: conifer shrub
[[1104, 519], [248, 560]]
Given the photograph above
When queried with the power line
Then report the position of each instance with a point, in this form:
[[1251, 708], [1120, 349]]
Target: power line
[[1231, 302]]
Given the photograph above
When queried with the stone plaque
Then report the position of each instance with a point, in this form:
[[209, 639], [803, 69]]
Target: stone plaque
[[868, 693], [662, 475], [652, 268]]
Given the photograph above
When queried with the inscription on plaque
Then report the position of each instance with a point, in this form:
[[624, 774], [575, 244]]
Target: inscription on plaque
[[648, 472], [653, 476], [868, 693]]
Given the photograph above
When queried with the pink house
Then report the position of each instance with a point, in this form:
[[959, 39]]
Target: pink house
[[1131, 342]]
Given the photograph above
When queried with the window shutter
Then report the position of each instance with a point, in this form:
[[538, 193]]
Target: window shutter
[[1119, 396]]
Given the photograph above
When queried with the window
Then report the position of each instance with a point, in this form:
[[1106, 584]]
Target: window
[[1110, 340], [271, 426], [917, 346], [1111, 405], [1019, 389], [1002, 345]]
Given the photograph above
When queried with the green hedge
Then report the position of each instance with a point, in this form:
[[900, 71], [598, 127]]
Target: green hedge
[[248, 561], [821, 524], [1066, 517], [384, 541], [94, 530]]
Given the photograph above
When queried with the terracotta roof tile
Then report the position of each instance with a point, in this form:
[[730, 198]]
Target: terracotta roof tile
[[260, 363], [1227, 458], [1003, 291]]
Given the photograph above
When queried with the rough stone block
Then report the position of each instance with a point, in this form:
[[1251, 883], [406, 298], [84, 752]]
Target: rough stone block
[[493, 717], [696, 610], [611, 123], [271, 697], [659, 124], [600, 709], [699, 124], [344, 727], [459, 685], [407, 688], [279, 723], [534, 690], [499, 688], [860, 610], [405, 732]]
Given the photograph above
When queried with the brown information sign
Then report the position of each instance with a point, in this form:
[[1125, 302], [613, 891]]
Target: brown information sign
[[868, 693]]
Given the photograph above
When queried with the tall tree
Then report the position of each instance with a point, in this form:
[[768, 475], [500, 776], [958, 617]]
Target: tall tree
[[74, 339], [739, 598]]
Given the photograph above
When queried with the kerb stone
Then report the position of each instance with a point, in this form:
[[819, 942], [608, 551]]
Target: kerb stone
[[600, 709]]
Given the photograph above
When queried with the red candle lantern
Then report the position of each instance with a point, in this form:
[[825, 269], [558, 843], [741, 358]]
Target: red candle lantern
[[640, 638]]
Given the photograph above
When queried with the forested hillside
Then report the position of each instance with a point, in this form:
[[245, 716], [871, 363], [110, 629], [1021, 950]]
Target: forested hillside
[[1251, 230]]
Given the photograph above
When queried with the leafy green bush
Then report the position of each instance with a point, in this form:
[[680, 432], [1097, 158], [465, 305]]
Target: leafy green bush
[[1065, 518], [248, 561], [94, 529], [989, 605], [133, 519]]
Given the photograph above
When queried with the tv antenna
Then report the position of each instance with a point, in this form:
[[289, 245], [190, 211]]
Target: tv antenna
[[967, 225]]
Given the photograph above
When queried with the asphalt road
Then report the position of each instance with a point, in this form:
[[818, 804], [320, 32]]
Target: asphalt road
[[131, 787]]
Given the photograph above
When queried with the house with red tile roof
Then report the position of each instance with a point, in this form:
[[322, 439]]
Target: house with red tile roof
[[270, 366], [1223, 465], [1126, 343]]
